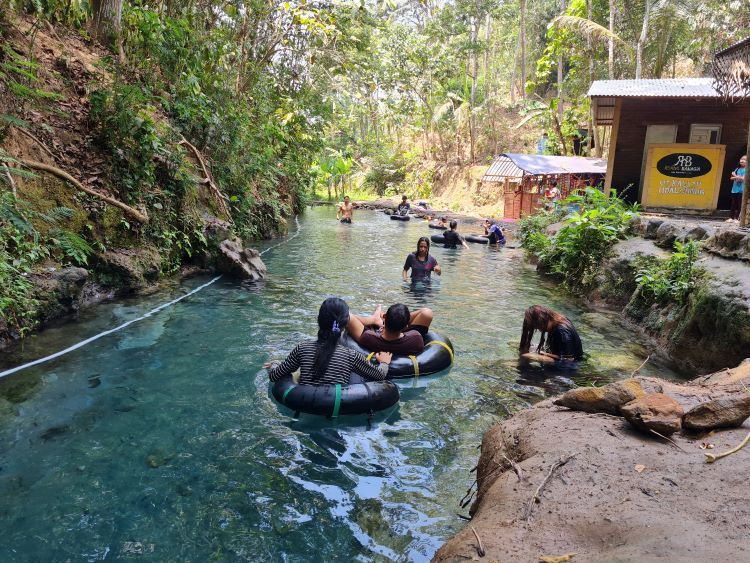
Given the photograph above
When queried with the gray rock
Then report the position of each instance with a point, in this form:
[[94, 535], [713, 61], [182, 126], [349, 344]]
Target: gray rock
[[607, 399], [724, 412], [652, 226], [667, 234], [239, 262], [131, 268]]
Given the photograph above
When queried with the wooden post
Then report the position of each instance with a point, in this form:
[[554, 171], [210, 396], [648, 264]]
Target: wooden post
[[745, 189]]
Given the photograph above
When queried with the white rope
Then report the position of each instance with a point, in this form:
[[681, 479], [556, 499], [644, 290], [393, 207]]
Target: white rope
[[127, 324]]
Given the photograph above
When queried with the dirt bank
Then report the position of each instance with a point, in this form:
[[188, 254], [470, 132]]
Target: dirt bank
[[623, 496]]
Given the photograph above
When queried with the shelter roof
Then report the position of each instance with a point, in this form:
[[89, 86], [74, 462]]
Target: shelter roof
[[655, 88], [515, 165]]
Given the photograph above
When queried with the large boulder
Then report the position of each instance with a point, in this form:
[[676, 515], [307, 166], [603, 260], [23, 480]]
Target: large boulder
[[723, 412], [239, 262], [655, 411], [129, 269]]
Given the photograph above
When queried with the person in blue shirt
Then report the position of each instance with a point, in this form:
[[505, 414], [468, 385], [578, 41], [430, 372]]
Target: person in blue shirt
[[493, 232], [738, 186], [541, 145]]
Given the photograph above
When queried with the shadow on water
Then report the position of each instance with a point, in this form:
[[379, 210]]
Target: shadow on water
[[162, 441]]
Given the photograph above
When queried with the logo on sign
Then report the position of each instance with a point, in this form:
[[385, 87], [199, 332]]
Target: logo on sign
[[684, 165]]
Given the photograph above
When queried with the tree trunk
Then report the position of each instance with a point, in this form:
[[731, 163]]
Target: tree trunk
[[473, 99], [611, 58], [746, 190], [642, 41], [560, 101], [522, 32], [486, 62], [108, 23]]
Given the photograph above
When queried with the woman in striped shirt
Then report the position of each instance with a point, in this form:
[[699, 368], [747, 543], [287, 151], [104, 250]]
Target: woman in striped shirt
[[324, 361]]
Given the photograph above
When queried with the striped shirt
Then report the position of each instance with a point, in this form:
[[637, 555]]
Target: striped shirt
[[343, 362]]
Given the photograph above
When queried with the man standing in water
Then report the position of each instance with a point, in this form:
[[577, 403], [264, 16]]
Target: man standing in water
[[346, 210]]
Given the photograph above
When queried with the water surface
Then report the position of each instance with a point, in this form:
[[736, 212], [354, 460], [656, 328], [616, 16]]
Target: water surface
[[160, 442]]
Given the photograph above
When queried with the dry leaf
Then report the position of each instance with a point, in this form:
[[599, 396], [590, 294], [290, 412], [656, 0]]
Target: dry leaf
[[639, 468], [556, 558]]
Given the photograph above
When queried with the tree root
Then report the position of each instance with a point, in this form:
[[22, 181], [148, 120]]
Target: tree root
[[34, 138], [480, 547], [129, 211], [220, 198], [536, 498], [12, 182], [710, 458]]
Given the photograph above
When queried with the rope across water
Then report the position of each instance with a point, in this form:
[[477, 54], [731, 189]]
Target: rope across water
[[130, 322]]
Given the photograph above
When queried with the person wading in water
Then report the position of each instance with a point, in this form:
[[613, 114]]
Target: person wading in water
[[346, 210], [421, 263], [563, 347]]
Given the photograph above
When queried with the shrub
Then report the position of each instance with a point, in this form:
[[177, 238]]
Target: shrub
[[673, 278]]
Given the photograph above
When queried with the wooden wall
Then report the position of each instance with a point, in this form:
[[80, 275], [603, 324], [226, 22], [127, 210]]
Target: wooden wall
[[637, 113]]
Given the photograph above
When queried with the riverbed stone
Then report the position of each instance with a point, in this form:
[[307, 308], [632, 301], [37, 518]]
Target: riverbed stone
[[129, 269], [729, 243], [667, 234], [239, 262], [607, 399], [651, 227], [655, 411], [723, 412]]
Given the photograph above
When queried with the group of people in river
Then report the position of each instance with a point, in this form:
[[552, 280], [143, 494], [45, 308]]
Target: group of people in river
[[400, 331]]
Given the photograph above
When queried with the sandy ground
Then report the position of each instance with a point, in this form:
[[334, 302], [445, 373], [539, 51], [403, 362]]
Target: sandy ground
[[624, 496]]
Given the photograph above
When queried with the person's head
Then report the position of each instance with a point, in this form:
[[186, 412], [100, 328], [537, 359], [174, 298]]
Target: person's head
[[443, 219], [396, 317], [743, 160], [545, 135], [453, 225], [346, 199], [487, 223], [403, 199], [423, 246], [538, 317], [332, 318]]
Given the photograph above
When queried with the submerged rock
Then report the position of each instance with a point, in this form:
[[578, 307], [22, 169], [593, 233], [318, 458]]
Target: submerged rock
[[239, 262], [656, 412]]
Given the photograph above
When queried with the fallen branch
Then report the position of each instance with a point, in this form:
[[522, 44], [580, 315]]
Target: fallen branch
[[636, 370], [516, 469], [480, 547], [33, 137], [710, 458], [667, 439], [10, 180], [536, 498], [221, 199], [129, 211]]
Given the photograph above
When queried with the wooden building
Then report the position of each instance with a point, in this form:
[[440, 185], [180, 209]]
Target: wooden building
[[683, 110], [525, 177]]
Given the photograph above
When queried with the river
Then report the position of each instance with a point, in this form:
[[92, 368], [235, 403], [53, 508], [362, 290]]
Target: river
[[160, 442]]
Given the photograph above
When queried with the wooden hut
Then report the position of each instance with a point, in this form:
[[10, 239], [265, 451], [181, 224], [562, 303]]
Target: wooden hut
[[525, 177]]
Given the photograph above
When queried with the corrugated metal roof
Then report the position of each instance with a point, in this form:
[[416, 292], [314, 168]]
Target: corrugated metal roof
[[514, 165], [734, 47], [655, 88]]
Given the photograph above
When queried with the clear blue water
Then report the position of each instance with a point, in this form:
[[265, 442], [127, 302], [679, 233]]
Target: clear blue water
[[161, 442]]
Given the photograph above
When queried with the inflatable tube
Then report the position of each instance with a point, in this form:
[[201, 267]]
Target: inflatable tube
[[436, 226], [359, 397], [477, 238], [400, 217], [436, 356], [438, 239]]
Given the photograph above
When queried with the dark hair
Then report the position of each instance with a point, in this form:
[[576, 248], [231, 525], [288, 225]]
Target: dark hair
[[420, 241], [454, 224], [397, 317], [403, 197], [538, 317], [332, 318]]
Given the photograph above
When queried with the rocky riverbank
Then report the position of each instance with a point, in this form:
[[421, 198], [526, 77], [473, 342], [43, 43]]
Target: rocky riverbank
[[554, 482]]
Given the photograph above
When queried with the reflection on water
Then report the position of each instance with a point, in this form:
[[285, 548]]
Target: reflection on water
[[162, 442]]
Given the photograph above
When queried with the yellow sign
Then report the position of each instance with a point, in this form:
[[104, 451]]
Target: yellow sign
[[683, 175]]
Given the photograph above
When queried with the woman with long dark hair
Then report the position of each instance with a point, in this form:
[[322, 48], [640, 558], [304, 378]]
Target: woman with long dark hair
[[324, 361], [563, 345], [421, 263]]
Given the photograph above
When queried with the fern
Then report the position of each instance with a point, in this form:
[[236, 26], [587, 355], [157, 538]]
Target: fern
[[72, 246], [56, 215]]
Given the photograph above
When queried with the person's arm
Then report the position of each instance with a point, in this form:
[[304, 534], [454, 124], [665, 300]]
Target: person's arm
[[436, 268], [462, 241], [407, 266], [339, 210], [287, 367], [369, 371]]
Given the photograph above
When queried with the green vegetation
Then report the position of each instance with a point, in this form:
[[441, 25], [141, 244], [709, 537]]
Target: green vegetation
[[671, 279], [585, 239]]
